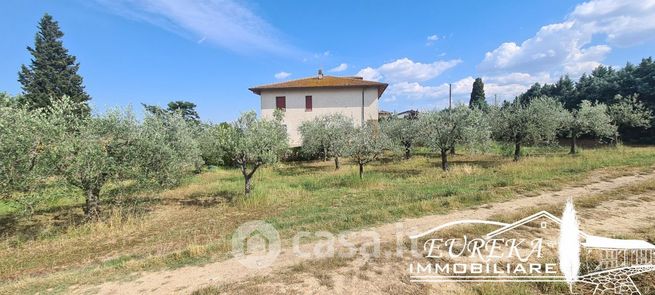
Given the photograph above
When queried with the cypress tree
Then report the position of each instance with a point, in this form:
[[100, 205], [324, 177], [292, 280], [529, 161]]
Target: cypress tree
[[477, 95], [53, 72]]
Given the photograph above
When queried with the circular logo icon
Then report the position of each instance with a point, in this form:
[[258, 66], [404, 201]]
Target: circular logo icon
[[256, 244]]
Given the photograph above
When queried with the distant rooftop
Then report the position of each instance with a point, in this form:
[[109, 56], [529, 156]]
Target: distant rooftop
[[321, 81]]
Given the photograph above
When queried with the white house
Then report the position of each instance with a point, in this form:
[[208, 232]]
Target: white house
[[307, 98]]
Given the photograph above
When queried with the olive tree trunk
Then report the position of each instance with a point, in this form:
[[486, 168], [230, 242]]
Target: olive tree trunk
[[574, 143], [248, 186], [361, 170], [92, 206], [444, 160], [247, 177], [517, 151], [336, 163], [408, 150]]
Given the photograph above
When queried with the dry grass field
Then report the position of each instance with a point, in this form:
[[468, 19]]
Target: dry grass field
[[150, 230]]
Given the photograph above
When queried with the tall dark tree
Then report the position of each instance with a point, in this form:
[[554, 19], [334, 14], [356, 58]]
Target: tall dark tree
[[53, 72], [645, 75], [477, 95], [600, 86], [186, 108], [533, 92], [564, 91]]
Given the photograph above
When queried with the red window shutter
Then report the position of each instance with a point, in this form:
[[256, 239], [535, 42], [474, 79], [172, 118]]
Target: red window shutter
[[308, 103], [281, 102]]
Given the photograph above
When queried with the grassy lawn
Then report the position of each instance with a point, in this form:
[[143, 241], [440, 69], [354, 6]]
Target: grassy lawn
[[192, 224]]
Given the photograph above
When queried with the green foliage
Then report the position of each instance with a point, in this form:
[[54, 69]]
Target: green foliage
[[186, 109], [444, 129], [366, 144], [590, 119], [212, 141], [7, 100], [477, 95], [403, 132], [327, 135], [88, 152], [53, 72], [26, 143], [533, 92], [629, 111], [538, 121], [167, 149], [253, 142]]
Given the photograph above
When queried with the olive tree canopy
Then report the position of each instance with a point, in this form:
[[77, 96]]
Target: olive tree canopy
[[443, 129], [535, 121], [327, 135], [588, 119], [366, 144], [253, 142], [628, 111], [89, 152], [403, 132]]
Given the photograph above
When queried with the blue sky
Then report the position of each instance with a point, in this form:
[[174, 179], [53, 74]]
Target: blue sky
[[211, 51]]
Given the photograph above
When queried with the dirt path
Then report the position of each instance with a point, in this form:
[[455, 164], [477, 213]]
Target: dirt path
[[185, 280]]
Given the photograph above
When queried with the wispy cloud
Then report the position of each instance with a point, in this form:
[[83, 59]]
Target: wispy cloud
[[225, 23], [340, 68], [407, 70], [431, 39], [282, 75]]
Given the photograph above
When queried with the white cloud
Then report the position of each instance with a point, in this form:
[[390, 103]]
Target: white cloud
[[566, 47], [282, 75], [406, 70], [225, 23], [431, 39], [340, 68], [503, 87], [405, 77], [369, 73]]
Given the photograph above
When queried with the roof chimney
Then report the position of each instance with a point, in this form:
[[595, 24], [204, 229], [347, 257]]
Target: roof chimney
[[320, 73]]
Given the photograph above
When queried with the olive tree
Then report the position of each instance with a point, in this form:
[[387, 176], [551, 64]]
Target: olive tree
[[328, 135], [403, 132], [167, 148], [99, 150], [253, 142], [628, 111], [366, 144], [7, 100], [588, 119], [443, 129], [114, 146], [26, 141], [212, 142], [538, 120]]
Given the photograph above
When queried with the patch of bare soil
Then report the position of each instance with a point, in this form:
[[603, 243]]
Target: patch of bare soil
[[291, 274]]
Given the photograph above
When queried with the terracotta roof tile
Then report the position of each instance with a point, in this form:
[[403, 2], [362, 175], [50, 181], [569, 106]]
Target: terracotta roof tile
[[324, 82]]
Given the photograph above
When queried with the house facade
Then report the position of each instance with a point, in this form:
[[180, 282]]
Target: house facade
[[305, 99]]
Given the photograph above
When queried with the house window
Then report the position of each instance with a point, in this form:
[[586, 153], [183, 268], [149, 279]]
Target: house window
[[281, 102], [308, 103]]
